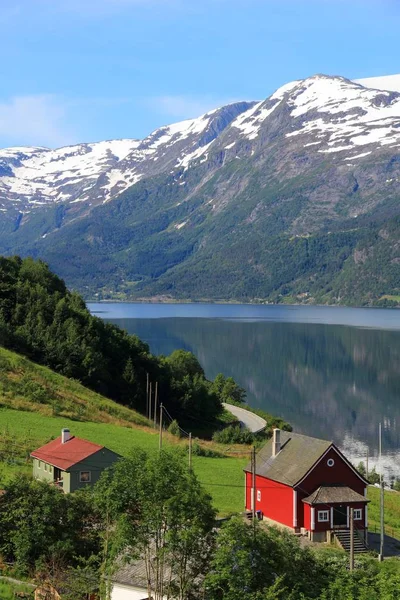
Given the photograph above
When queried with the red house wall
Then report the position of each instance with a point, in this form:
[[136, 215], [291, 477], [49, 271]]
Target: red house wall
[[276, 501], [307, 517], [341, 473]]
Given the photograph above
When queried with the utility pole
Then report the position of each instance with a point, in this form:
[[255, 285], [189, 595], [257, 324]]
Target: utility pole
[[155, 404], [150, 400], [190, 452], [161, 425], [147, 395], [366, 465], [382, 496], [253, 481], [351, 539]]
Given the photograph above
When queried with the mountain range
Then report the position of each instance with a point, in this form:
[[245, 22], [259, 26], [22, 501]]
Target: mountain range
[[292, 199]]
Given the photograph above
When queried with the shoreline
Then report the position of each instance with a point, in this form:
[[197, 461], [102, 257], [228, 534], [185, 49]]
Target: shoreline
[[237, 303]]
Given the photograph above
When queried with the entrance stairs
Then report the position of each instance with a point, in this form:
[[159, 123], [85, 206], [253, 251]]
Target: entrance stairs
[[343, 538]]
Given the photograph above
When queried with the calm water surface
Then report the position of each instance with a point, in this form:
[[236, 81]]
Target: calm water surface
[[330, 372]]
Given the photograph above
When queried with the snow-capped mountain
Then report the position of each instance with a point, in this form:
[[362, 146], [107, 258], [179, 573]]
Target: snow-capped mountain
[[94, 173], [213, 206]]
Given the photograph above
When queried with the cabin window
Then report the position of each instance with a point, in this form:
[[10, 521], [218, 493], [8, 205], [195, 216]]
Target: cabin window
[[357, 514], [323, 516], [330, 462], [39, 464], [84, 476], [45, 466], [258, 495]]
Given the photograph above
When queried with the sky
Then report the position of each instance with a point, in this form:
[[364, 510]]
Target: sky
[[87, 70]]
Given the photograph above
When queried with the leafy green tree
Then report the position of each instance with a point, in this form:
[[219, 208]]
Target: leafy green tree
[[252, 563], [183, 363], [228, 390], [39, 522], [373, 476], [165, 519]]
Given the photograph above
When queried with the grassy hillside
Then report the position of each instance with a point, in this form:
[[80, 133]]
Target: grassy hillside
[[36, 403], [22, 431], [24, 385]]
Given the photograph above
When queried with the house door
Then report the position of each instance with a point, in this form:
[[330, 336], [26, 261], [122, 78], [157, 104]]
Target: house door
[[340, 516], [57, 474]]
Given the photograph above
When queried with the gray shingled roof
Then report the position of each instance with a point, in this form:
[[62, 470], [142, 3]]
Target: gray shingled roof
[[298, 454], [328, 494], [134, 574]]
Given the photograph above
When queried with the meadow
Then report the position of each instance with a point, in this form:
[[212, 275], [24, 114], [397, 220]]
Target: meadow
[[10, 590], [28, 419]]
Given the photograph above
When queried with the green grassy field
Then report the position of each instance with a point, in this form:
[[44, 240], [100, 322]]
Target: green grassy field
[[22, 431], [9, 591], [392, 512]]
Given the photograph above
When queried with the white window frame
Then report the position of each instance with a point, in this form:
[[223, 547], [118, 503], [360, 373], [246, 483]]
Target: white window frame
[[258, 495], [357, 514], [321, 516], [85, 480]]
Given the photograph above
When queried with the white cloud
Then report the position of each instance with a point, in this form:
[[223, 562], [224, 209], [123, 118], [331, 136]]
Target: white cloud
[[34, 119], [186, 107]]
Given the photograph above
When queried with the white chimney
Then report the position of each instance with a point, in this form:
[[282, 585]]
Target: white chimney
[[65, 436], [276, 441]]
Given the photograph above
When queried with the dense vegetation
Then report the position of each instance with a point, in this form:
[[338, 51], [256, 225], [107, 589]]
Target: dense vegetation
[[42, 320], [167, 521], [27, 386]]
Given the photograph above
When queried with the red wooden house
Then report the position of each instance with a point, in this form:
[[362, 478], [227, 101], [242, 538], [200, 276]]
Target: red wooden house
[[308, 485]]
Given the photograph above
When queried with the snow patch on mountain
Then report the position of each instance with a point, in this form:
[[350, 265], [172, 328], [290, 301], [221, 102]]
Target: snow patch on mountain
[[389, 83], [346, 114]]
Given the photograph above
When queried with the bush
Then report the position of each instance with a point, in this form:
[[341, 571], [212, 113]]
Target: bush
[[234, 434], [174, 428], [198, 450]]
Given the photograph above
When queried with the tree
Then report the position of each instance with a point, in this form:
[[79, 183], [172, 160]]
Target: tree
[[251, 563], [165, 519], [39, 524], [183, 363], [228, 390]]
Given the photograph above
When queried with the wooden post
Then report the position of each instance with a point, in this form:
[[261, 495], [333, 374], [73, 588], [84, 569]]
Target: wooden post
[[155, 404], [190, 452], [351, 539], [253, 480], [147, 395], [150, 394], [161, 425], [382, 496], [366, 466]]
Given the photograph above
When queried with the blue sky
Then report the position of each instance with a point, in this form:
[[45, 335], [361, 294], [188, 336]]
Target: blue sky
[[87, 70]]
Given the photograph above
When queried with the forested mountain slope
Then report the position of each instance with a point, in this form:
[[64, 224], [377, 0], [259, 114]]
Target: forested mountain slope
[[295, 199], [43, 321]]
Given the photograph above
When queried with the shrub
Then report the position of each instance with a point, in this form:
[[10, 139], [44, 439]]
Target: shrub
[[174, 428], [234, 434]]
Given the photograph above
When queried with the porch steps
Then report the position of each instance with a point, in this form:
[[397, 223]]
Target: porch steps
[[343, 537]]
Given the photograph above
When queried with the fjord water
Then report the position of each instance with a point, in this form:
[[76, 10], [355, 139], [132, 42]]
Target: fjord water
[[331, 372]]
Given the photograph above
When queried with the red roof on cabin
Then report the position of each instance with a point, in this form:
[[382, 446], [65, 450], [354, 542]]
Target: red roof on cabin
[[64, 456]]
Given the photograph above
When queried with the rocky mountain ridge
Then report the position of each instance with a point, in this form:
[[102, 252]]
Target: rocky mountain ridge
[[199, 209]]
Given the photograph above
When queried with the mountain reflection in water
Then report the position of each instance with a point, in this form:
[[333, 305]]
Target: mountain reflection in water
[[331, 381]]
